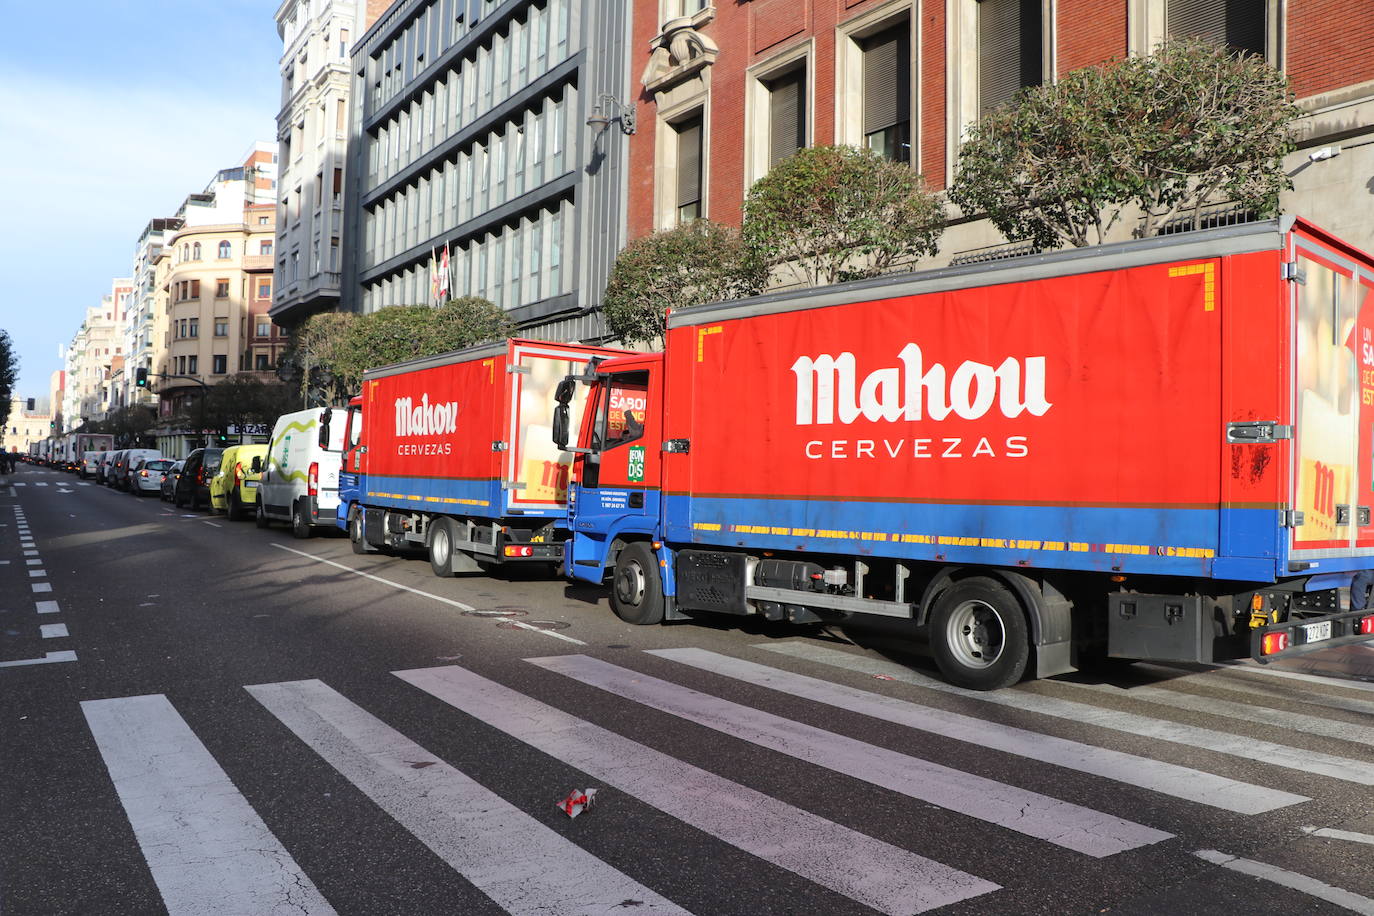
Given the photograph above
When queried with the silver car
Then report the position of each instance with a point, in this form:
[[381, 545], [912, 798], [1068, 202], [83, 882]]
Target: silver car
[[146, 475]]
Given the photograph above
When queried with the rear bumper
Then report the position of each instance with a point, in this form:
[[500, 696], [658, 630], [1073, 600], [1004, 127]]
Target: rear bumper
[[1344, 631]]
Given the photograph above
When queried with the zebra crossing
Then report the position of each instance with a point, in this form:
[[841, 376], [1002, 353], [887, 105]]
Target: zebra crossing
[[209, 851]]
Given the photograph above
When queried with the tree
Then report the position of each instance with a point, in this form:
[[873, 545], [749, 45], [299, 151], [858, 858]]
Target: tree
[[331, 351], [9, 374], [245, 399], [691, 264], [1191, 124], [834, 213]]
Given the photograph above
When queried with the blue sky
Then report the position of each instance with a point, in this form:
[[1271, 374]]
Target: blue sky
[[111, 112]]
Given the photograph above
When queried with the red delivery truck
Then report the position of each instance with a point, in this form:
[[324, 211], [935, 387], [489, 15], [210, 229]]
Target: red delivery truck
[[1161, 449], [454, 453]]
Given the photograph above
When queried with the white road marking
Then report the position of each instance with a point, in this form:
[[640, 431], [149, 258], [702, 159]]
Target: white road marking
[[1246, 712], [875, 873], [41, 587], [1333, 834], [1279, 755], [207, 849], [40, 483], [31, 562], [84, 483], [214, 524], [53, 630], [30, 553], [1157, 776], [1290, 879], [66, 655], [1283, 692], [1062, 823], [46, 607], [415, 591], [18, 483], [38, 574], [521, 864]]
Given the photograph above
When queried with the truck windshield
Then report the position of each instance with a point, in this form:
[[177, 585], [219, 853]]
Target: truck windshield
[[626, 408]]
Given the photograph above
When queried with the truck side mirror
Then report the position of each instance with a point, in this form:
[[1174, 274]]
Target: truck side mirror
[[560, 422], [563, 394], [324, 427], [256, 466]]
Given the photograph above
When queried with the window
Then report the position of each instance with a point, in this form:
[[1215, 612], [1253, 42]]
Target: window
[[333, 254], [193, 328], [263, 220], [195, 289], [224, 250], [1239, 24], [1009, 50], [221, 289], [219, 364], [260, 362], [264, 289], [338, 187], [786, 115], [185, 252], [181, 365], [340, 116], [195, 251], [624, 411], [192, 364], [264, 328], [887, 92], [688, 168], [343, 44], [265, 247], [221, 327]]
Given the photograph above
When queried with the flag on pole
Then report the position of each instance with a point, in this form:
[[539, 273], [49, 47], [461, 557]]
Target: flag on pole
[[445, 277], [433, 279]]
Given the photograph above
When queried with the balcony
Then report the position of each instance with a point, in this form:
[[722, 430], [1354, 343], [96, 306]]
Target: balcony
[[257, 262]]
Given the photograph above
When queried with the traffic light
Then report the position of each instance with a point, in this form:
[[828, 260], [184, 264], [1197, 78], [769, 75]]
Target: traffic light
[[141, 377]]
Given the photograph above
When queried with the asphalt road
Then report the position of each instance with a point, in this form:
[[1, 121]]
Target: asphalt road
[[200, 717]]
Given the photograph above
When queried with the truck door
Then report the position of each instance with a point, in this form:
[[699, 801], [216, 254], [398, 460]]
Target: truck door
[[1333, 474], [619, 483]]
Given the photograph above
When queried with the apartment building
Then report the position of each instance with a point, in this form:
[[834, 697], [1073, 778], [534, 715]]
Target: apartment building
[[216, 273], [94, 355], [495, 129], [26, 427], [312, 133], [727, 89], [142, 344]]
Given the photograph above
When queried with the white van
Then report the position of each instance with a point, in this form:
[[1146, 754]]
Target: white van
[[300, 483], [90, 461], [133, 457]]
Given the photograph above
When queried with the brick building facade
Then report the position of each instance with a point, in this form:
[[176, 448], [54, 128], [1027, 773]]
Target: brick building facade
[[727, 89]]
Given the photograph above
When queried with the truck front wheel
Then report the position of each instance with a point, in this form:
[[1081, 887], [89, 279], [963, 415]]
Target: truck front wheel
[[636, 586], [978, 635]]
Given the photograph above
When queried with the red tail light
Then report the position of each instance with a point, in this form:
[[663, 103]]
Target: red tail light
[[1367, 626], [238, 474], [312, 485], [1273, 642], [200, 474], [142, 473], [514, 551]]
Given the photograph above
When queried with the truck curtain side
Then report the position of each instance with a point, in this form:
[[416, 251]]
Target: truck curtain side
[[454, 453], [1159, 449]]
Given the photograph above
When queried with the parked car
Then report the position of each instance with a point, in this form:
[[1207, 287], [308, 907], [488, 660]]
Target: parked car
[[133, 457], [102, 469], [170, 477], [114, 467], [193, 489], [146, 475], [89, 462], [234, 488], [300, 483]]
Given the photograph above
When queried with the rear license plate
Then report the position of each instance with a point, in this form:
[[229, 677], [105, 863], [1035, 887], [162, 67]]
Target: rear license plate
[[250, 483], [1316, 632]]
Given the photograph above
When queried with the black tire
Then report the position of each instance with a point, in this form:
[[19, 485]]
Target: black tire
[[260, 516], [637, 586], [235, 511], [439, 546], [300, 522], [176, 497], [978, 635], [194, 501], [357, 536]]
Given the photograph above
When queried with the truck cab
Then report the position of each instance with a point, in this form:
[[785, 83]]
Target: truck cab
[[616, 495]]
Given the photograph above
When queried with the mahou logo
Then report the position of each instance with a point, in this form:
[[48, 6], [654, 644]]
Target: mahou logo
[[828, 389], [425, 419]]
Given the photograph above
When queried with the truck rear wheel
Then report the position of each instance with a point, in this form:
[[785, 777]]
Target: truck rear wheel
[[978, 635], [441, 548], [636, 586]]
